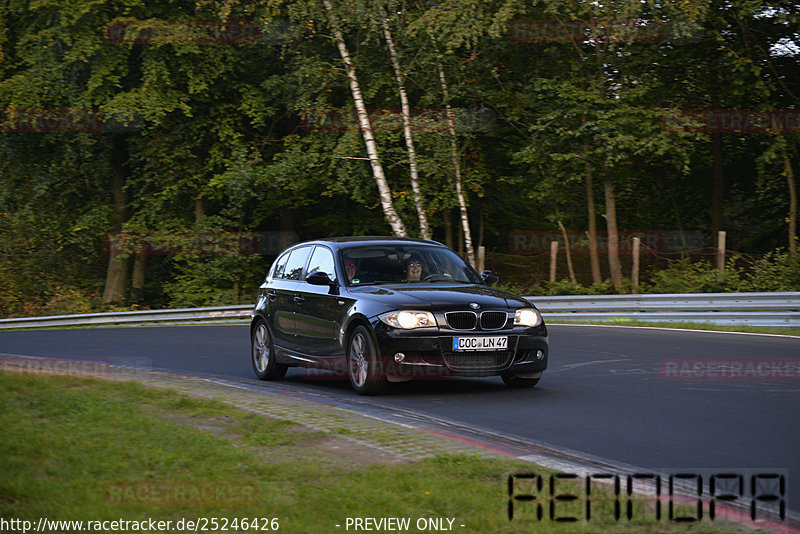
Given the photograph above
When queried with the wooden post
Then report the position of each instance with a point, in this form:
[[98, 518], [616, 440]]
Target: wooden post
[[568, 253], [553, 256], [481, 258], [721, 250], [635, 269]]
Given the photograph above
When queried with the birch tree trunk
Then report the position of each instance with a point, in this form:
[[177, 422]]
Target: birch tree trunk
[[406, 111], [451, 128], [394, 220]]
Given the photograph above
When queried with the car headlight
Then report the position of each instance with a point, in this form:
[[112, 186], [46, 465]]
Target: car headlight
[[408, 320], [527, 317]]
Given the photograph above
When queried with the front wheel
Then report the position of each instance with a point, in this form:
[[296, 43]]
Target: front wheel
[[515, 381], [262, 354], [363, 366]]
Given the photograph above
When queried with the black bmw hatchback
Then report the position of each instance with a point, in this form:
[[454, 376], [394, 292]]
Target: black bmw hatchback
[[384, 309]]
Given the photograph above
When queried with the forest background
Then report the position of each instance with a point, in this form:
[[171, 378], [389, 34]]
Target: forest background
[[160, 154]]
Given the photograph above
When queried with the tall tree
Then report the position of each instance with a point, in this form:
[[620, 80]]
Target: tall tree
[[365, 126]]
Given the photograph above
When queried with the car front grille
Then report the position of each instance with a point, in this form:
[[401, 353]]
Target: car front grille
[[465, 320], [468, 320], [478, 360], [493, 320]]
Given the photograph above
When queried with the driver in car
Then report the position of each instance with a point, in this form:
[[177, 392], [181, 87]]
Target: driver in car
[[350, 269], [413, 269]]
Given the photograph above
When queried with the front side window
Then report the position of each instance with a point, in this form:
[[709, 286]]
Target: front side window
[[322, 261]]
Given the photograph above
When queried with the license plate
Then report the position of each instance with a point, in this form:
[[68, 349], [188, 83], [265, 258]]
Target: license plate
[[480, 343]]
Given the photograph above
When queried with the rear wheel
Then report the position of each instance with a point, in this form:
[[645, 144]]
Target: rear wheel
[[363, 366], [515, 381], [262, 354]]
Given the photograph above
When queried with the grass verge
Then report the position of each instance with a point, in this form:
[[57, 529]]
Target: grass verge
[[81, 449]]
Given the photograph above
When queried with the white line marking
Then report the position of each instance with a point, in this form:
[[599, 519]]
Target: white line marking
[[582, 364]]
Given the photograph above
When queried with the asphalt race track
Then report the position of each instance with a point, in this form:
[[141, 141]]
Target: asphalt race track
[[621, 394]]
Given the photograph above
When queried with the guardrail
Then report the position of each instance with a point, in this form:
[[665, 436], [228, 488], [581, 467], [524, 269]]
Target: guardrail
[[213, 314], [777, 310]]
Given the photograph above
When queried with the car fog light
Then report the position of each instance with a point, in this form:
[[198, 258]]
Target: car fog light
[[539, 355], [399, 357]]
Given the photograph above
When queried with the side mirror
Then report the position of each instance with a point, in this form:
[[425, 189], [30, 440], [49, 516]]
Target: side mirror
[[319, 278], [489, 277]]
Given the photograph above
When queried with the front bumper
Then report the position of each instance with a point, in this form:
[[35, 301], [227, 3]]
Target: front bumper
[[428, 353]]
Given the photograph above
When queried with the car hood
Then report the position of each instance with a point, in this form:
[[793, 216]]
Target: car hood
[[439, 297]]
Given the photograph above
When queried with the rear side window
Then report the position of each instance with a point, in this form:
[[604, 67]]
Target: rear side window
[[296, 263], [322, 261], [279, 266]]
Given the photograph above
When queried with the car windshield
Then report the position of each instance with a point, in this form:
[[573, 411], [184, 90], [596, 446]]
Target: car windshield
[[382, 264]]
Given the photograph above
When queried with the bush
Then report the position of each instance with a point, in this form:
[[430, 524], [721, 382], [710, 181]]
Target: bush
[[700, 277], [215, 280], [69, 300], [775, 272], [59, 301], [566, 287]]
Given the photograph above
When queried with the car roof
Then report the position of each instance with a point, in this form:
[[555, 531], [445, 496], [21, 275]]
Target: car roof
[[344, 241]]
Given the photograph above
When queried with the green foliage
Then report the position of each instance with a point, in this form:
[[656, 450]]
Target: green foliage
[[566, 287], [214, 281], [68, 300], [777, 271], [700, 277], [215, 137]]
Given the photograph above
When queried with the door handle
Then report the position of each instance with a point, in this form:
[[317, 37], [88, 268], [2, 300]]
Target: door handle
[[298, 299], [272, 295]]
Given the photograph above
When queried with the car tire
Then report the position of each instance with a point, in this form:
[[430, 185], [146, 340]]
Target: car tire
[[363, 365], [515, 381], [262, 354]]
